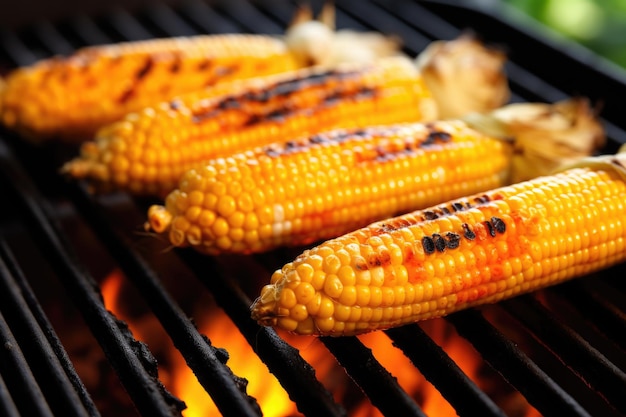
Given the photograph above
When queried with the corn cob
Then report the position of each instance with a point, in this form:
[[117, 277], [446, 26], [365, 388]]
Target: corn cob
[[467, 252], [324, 185], [71, 97], [148, 152]]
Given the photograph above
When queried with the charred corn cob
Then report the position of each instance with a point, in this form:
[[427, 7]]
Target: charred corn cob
[[467, 252], [148, 151], [71, 97], [327, 184]]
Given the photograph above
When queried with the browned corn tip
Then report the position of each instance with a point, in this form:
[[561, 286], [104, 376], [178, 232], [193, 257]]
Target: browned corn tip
[[467, 252]]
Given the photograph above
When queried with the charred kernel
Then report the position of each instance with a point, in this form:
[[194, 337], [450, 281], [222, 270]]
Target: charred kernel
[[428, 244], [452, 240], [430, 215], [468, 233], [440, 243], [498, 224], [490, 228], [457, 206]]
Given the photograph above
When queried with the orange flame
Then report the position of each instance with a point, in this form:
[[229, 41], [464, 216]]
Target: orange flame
[[265, 388]]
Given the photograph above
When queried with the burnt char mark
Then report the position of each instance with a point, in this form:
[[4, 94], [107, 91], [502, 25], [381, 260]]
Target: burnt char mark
[[440, 242], [457, 206], [490, 228], [428, 244], [436, 136], [175, 104], [453, 240], [284, 89], [483, 199], [467, 232], [229, 103], [204, 65], [176, 64], [139, 75], [498, 224], [329, 138], [145, 69], [430, 215]]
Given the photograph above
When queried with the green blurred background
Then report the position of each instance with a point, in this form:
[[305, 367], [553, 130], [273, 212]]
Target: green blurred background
[[600, 25]]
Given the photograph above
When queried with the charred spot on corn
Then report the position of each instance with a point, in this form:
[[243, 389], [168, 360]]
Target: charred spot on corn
[[145, 68], [428, 243], [438, 243], [453, 240], [436, 136], [498, 224]]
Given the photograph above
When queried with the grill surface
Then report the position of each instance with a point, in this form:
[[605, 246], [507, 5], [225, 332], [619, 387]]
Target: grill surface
[[566, 355]]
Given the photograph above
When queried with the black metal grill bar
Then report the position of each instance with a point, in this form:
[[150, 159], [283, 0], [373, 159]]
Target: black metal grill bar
[[435, 364], [217, 379], [584, 359], [249, 17], [126, 26], [602, 304], [168, 22], [14, 367], [88, 31], [381, 387], [294, 373], [205, 18], [66, 396], [135, 366], [521, 372], [7, 405]]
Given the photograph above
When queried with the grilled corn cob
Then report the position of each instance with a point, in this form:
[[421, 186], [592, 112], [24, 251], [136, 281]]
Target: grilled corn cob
[[467, 252], [327, 184], [148, 151], [71, 97]]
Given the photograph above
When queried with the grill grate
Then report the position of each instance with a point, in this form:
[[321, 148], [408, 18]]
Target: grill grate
[[576, 361]]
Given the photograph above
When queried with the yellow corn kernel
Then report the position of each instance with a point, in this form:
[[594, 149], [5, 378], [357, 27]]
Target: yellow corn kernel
[[194, 128], [327, 184], [524, 247]]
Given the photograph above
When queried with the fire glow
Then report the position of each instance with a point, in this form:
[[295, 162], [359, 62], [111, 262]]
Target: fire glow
[[266, 389]]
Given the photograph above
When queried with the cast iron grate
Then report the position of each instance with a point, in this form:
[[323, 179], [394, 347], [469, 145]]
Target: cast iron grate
[[580, 372]]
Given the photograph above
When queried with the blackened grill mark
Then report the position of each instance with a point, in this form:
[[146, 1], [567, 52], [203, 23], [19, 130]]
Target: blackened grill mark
[[229, 103], [204, 65], [453, 240], [483, 199], [176, 64], [428, 244], [145, 70], [498, 224], [141, 73], [440, 243], [294, 146], [175, 104], [284, 89], [490, 228], [430, 215], [467, 232], [457, 206], [436, 136]]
